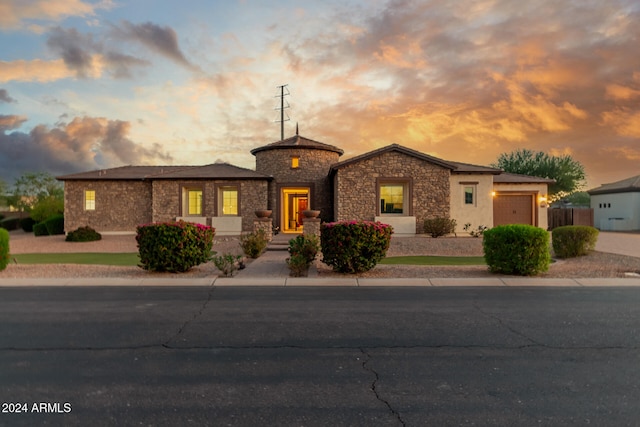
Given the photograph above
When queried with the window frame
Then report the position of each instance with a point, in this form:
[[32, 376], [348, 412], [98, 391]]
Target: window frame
[[89, 203], [473, 185], [295, 162], [220, 190], [185, 202], [407, 195]]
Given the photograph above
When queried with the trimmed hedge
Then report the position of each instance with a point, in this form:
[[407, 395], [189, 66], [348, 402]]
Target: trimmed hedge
[[4, 248], [174, 247], [27, 224], [517, 249], [40, 229], [354, 246], [55, 225], [573, 240], [437, 227], [83, 234], [10, 223]]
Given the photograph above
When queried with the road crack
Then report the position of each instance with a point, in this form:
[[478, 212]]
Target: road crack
[[167, 343], [366, 367]]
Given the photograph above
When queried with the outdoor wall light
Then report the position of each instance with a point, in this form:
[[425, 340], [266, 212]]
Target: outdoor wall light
[[543, 201]]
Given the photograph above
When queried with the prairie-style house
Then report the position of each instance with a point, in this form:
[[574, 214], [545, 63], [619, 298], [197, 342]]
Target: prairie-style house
[[393, 184]]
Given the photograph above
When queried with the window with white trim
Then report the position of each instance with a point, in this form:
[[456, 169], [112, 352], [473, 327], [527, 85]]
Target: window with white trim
[[89, 200]]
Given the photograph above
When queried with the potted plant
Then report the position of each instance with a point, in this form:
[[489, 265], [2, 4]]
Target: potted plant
[[310, 213], [263, 213]]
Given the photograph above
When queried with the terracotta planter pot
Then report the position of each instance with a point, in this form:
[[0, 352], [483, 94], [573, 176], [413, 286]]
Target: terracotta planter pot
[[310, 213], [263, 213]]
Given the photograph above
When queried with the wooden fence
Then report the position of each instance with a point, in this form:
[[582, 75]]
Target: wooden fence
[[560, 217]]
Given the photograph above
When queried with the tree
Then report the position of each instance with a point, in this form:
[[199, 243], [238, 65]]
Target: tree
[[568, 173], [4, 190], [34, 187]]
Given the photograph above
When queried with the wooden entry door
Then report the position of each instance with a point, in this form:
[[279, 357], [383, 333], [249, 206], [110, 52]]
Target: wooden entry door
[[514, 209]]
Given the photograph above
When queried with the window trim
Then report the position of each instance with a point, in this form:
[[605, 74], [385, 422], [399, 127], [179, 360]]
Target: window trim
[[87, 200], [219, 188], [407, 199], [185, 189]]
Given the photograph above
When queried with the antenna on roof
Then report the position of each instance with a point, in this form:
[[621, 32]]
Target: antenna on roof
[[282, 108], [297, 133]]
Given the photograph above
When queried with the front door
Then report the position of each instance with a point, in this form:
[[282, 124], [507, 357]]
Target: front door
[[294, 201]]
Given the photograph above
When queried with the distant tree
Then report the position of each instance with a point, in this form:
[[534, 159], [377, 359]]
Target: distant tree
[[579, 198], [568, 173], [4, 192], [33, 187]]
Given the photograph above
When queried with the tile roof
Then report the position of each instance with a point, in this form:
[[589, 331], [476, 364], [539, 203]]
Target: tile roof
[[628, 185], [468, 168], [212, 171], [298, 141]]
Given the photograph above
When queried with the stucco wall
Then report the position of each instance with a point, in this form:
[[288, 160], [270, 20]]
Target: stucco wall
[[478, 213], [355, 187], [120, 205], [616, 212], [313, 172], [538, 189]]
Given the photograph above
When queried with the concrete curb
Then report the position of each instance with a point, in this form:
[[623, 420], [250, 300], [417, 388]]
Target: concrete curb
[[321, 282]]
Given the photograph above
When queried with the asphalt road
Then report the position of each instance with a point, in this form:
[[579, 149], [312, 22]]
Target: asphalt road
[[320, 356]]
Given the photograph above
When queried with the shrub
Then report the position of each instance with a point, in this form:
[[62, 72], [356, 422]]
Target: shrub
[[47, 207], [227, 263], [4, 249], [302, 250], [40, 229], [55, 225], [83, 234], [477, 232], [354, 246], [10, 223], [517, 249], [27, 224], [437, 227], [253, 244], [174, 247], [573, 240]]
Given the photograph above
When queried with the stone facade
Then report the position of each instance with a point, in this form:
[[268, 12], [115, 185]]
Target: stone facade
[[312, 172], [356, 192], [120, 206]]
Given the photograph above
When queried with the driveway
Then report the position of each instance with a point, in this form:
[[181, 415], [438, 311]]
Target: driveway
[[619, 243]]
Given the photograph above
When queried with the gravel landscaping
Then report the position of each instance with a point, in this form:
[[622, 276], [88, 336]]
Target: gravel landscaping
[[596, 264]]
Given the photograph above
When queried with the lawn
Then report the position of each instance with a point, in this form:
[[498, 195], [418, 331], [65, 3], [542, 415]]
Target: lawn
[[434, 260], [123, 259]]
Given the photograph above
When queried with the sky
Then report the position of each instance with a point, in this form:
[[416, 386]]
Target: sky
[[92, 84]]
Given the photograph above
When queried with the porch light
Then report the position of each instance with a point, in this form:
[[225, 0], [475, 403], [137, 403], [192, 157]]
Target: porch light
[[543, 201], [493, 194]]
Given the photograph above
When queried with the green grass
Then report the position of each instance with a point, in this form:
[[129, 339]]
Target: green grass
[[125, 259], [434, 260]]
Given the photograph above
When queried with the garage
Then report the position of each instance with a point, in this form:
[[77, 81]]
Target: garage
[[514, 209]]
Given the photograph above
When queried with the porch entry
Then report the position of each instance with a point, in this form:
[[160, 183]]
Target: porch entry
[[294, 201]]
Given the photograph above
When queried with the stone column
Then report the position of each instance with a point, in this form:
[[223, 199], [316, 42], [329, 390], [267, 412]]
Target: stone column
[[265, 224], [311, 226]]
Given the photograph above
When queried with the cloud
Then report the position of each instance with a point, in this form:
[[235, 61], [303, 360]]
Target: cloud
[[4, 97], [162, 40], [85, 143], [35, 70], [14, 14]]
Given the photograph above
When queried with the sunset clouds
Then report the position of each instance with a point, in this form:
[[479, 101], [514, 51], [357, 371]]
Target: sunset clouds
[[463, 80]]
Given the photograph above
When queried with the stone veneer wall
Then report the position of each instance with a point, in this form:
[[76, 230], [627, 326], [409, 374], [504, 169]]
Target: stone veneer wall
[[313, 171], [355, 192], [120, 205], [167, 198]]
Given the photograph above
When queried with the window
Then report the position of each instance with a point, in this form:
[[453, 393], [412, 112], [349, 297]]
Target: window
[[89, 200], [295, 162], [394, 198], [468, 195], [192, 201], [228, 201]]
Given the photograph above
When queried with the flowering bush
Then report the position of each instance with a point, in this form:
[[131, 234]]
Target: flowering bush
[[174, 247], [354, 246]]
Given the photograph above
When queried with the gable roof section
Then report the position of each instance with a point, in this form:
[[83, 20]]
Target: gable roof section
[[514, 178], [212, 171], [298, 141], [468, 168], [396, 148], [629, 185]]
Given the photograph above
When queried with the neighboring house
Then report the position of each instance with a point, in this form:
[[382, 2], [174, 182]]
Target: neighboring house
[[393, 184], [616, 206]]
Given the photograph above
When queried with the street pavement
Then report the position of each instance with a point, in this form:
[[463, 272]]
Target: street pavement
[[367, 356]]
